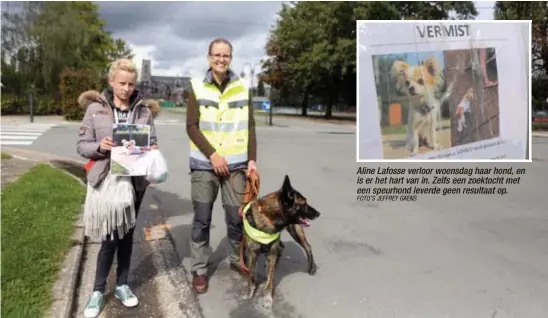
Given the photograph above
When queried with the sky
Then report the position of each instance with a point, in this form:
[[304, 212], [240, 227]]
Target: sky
[[175, 35]]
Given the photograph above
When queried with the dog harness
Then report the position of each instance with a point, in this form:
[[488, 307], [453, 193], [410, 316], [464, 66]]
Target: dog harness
[[223, 120], [252, 232]]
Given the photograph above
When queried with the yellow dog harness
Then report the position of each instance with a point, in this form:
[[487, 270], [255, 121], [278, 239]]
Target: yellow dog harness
[[253, 233]]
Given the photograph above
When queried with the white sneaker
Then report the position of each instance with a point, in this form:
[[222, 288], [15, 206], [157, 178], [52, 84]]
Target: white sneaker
[[94, 305], [124, 294]]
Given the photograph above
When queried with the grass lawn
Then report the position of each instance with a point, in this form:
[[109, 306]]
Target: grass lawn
[[38, 214], [540, 125], [6, 156]]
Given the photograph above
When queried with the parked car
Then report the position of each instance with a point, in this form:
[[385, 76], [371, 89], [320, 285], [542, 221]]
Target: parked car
[[540, 116]]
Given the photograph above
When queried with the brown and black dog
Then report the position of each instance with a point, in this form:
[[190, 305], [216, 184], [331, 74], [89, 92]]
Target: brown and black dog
[[286, 209]]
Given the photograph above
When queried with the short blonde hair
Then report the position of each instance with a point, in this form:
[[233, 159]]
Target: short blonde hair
[[122, 65]]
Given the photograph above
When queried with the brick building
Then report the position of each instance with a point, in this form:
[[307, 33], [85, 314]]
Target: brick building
[[162, 87]]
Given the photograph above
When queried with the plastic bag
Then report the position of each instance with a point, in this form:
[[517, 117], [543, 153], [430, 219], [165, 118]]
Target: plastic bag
[[157, 167]]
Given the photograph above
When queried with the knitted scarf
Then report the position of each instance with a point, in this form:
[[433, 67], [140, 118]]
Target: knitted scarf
[[109, 207]]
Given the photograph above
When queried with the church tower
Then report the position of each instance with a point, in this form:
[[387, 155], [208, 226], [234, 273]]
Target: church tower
[[145, 71]]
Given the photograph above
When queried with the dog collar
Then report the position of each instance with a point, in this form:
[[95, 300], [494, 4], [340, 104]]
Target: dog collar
[[253, 233]]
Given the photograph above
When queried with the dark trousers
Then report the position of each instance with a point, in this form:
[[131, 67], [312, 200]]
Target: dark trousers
[[122, 248], [204, 190]]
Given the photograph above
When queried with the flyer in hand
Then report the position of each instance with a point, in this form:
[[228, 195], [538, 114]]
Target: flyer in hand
[[131, 144]]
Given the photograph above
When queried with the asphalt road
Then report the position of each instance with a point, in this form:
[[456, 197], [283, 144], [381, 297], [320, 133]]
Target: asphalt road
[[452, 256]]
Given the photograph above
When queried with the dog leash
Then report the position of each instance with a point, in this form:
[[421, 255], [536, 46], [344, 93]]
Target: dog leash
[[250, 194], [251, 191]]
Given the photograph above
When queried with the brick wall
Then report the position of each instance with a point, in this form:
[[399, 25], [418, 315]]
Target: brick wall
[[479, 127]]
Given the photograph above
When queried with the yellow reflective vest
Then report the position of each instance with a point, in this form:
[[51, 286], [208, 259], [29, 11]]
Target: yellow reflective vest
[[223, 121]]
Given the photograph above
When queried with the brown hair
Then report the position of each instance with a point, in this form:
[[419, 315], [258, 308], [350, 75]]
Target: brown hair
[[219, 40]]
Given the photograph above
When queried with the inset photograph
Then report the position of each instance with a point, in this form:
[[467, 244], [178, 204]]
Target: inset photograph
[[412, 95], [474, 101]]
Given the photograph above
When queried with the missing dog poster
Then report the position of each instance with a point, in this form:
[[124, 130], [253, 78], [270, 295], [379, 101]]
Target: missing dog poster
[[128, 156], [442, 90]]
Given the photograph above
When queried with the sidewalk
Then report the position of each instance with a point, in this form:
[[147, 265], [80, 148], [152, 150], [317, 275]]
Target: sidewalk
[[25, 119], [539, 134], [156, 275]]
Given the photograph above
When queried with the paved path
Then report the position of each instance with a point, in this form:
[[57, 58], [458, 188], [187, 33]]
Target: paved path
[[458, 256], [14, 168]]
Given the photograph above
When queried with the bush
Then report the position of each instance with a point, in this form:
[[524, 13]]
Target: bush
[[73, 83], [13, 104], [540, 125]]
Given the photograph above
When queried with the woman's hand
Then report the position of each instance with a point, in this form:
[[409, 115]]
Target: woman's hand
[[220, 165], [251, 165]]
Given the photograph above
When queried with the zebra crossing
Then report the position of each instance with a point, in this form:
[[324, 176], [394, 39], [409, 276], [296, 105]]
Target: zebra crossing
[[22, 134]]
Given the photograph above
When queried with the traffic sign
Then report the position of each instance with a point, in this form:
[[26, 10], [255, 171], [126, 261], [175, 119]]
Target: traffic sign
[[266, 105]]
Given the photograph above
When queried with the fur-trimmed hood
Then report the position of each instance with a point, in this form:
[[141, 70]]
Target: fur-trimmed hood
[[91, 96]]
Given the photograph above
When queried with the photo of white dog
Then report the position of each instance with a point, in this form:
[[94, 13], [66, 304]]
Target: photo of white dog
[[425, 84], [464, 108]]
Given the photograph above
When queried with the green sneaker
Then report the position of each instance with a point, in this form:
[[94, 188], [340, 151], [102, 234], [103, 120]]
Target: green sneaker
[[124, 294], [94, 305]]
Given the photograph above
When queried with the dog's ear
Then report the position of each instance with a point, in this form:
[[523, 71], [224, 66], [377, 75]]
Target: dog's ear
[[287, 189], [432, 65], [399, 73]]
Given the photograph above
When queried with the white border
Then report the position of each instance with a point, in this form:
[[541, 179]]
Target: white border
[[530, 128]]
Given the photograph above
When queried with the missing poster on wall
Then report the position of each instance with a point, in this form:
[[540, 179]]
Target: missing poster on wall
[[442, 90]]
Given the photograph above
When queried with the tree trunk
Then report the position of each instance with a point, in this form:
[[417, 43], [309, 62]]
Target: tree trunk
[[329, 109], [304, 105]]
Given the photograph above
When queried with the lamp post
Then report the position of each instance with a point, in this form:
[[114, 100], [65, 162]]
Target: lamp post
[[252, 73]]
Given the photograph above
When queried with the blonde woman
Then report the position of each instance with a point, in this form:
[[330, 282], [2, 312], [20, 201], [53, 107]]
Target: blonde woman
[[112, 203]]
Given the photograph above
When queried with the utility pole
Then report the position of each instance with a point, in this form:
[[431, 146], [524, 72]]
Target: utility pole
[[270, 107], [252, 73]]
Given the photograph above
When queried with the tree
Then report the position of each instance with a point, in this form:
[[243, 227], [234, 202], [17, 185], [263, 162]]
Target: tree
[[260, 87], [538, 13], [312, 47], [44, 39]]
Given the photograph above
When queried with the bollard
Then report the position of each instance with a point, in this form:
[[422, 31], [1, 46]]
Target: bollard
[[31, 107], [270, 115]]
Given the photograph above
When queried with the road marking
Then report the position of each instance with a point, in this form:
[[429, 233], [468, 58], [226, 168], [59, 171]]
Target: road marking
[[15, 143], [156, 232], [22, 135], [17, 137], [16, 133], [168, 122]]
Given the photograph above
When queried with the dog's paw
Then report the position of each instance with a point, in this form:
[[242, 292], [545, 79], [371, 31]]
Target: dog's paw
[[267, 301], [312, 269], [249, 294]]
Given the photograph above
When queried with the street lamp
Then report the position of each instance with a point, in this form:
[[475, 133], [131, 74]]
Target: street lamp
[[252, 73]]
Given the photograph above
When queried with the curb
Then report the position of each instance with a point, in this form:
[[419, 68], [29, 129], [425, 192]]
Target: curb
[[64, 288], [176, 276]]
